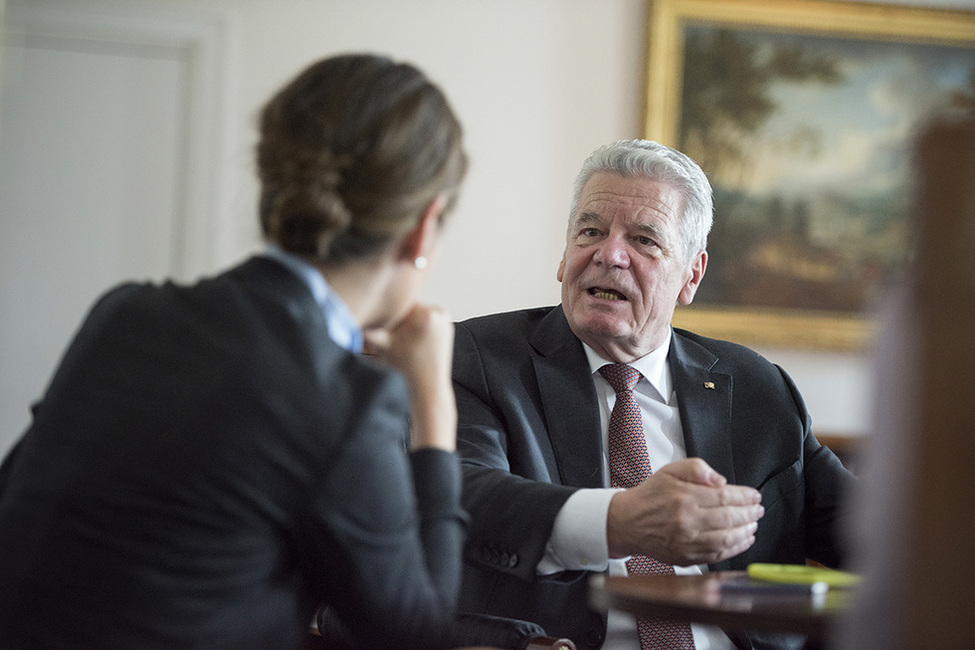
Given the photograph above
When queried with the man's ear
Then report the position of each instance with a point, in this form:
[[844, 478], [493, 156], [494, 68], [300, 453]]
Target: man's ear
[[561, 271], [420, 242], [695, 275]]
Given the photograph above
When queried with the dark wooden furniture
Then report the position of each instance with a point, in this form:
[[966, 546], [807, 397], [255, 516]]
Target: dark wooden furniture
[[935, 600], [701, 599]]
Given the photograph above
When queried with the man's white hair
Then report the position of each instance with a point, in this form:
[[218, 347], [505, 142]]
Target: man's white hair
[[648, 159]]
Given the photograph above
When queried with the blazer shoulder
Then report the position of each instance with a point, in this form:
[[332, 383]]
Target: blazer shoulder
[[503, 340], [506, 324], [724, 354], [541, 330]]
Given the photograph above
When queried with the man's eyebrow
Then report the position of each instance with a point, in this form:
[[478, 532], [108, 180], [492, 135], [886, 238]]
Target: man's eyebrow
[[649, 228], [588, 217]]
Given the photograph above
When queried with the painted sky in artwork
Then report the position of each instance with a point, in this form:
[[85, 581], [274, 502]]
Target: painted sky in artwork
[[854, 136]]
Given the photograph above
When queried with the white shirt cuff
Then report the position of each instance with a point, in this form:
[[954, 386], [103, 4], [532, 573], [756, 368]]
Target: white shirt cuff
[[578, 539]]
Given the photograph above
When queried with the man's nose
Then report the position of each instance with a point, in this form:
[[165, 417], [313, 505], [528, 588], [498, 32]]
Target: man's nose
[[613, 251]]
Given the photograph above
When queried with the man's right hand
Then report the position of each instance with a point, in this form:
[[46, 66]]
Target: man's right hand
[[684, 513]]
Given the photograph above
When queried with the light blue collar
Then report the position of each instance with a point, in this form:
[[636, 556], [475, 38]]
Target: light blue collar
[[343, 328]]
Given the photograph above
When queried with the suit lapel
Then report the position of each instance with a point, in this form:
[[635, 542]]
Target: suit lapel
[[704, 399], [568, 400]]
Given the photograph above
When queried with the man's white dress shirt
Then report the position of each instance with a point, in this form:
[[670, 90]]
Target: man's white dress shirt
[[576, 544]]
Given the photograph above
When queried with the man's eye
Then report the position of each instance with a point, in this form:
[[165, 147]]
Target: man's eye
[[644, 241], [590, 232]]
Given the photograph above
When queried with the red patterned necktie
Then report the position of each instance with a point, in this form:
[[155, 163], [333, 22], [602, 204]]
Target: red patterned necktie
[[629, 465]]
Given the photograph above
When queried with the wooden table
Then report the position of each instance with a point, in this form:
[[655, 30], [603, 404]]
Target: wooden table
[[701, 599]]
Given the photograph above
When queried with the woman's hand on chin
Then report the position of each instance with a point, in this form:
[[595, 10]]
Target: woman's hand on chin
[[421, 347]]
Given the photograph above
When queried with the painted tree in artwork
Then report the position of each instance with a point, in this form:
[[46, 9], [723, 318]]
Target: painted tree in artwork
[[726, 96], [760, 245]]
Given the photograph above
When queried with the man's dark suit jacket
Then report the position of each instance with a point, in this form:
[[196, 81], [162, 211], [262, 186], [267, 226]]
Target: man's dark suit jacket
[[529, 437], [207, 466]]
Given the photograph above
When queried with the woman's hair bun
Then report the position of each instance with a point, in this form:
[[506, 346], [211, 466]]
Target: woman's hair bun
[[351, 152], [304, 207]]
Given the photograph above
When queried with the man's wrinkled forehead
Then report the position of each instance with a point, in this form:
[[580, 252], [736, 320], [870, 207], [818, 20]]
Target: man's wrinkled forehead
[[607, 196]]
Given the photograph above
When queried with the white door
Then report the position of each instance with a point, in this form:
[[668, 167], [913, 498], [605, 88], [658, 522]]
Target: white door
[[94, 179]]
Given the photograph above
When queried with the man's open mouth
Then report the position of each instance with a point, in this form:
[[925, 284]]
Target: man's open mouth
[[606, 294]]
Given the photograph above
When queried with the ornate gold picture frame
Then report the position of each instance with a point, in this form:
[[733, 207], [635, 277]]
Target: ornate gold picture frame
[[802, 113]]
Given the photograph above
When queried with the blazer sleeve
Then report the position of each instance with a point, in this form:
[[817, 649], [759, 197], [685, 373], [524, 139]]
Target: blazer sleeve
[[387, 531], [828, 485], [510, 486]]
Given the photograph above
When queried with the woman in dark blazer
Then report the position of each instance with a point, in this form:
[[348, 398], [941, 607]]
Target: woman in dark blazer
[[211, 462]]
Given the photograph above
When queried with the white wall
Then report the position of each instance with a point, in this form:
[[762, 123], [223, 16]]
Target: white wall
[[538, 84]]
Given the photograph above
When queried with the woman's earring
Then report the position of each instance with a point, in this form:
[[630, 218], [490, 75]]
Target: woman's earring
[[420, 263]]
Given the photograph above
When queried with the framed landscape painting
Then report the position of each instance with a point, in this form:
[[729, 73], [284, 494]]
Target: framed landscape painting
[[803, 114]]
